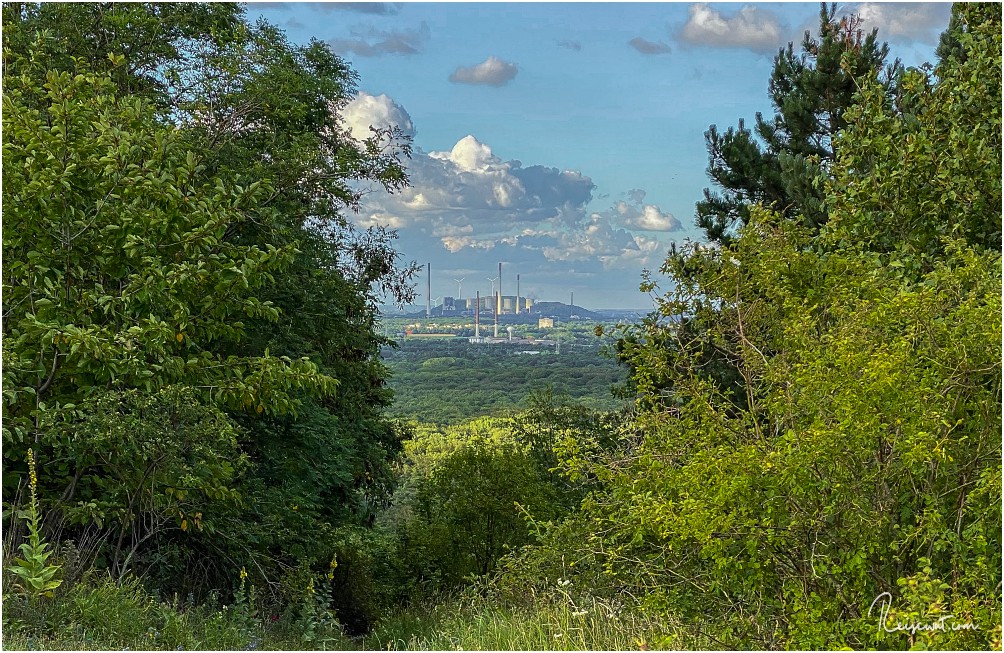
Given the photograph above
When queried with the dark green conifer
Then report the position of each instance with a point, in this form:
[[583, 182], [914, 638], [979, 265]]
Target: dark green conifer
[[780, 162]]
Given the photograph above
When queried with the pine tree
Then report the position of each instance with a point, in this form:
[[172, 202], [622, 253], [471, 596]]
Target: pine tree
[[781, 161]]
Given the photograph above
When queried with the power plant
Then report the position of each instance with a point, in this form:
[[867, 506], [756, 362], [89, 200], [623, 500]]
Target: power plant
[[509, 308]]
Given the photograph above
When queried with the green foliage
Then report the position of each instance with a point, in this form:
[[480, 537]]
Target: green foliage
[[472, 493], [848, 445], [450, 382], [928, 167], [99, 613], [32, 568], [462, 508], [119, 273], [154, 41], [782, 162], [172, 187]]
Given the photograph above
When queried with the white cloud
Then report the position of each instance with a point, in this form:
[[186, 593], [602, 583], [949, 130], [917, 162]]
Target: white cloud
[[905, 22], [650, 218], [751, 28], [467, 208], [636, 216], [470, 190], [377, 111], [491, 72]]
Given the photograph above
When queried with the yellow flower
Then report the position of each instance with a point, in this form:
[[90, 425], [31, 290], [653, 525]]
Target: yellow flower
[[244, 573]]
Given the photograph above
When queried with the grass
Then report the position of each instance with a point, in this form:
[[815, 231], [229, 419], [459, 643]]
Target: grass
[[98, 613], [471, 624]]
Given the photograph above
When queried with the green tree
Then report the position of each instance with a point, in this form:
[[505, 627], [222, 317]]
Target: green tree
[[928, 169], [859, 453], [118, 276], [256, 122], [781, 163]]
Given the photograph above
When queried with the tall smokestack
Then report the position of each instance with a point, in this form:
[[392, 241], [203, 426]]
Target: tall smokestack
[[517, 294], [477, 316], [428, 290], [497, 300], [498, 297]]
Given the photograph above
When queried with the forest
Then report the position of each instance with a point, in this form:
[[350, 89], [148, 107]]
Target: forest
[[204, 447], [446, 381]]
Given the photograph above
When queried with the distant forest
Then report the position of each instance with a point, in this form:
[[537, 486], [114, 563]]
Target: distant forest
[[447, 382]]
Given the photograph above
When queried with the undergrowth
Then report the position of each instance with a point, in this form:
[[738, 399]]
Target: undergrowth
[[99, 613]]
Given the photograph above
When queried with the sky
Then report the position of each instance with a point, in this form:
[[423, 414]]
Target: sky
[[565, 140]]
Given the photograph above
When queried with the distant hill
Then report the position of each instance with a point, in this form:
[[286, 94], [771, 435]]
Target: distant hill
[[563, 311], [540, 309]]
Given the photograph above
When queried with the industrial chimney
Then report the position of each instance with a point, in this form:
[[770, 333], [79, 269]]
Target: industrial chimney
[[428, 290], [496, 306], [477, 317], [517, 294], [498, 297]]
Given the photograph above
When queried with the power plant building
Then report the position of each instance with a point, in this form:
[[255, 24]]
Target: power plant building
[[488, 303]]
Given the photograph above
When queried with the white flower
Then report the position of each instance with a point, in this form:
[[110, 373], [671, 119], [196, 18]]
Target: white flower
[[557, 635], [580, 613]]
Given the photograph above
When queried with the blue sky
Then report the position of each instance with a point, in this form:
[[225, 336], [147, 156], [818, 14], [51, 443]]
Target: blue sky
[[563, 139]]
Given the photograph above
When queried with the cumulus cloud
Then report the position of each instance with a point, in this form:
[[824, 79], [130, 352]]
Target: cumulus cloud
[[635, 215], [491, 72], [649, 47], [469, 200], [571, 45], [366, 112], [372, 42], [467, 208], [649, 218], [905, 22], [751, 28]]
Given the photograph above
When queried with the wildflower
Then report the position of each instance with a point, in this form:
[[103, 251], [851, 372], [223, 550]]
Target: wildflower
[[244, 573], [558, 635], [580, 613], [32, 476]]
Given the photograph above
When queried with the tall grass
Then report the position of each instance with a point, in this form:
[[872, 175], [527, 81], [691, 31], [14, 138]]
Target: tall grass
[[468, 623], [98, 613]]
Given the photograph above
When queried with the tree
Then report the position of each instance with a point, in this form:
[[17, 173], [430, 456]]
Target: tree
[[863, 456], [781, 163], [927, 168], [259, 120], [118, 276]]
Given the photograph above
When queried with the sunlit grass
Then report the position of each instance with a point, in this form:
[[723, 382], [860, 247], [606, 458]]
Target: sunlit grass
[[464, 624]]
